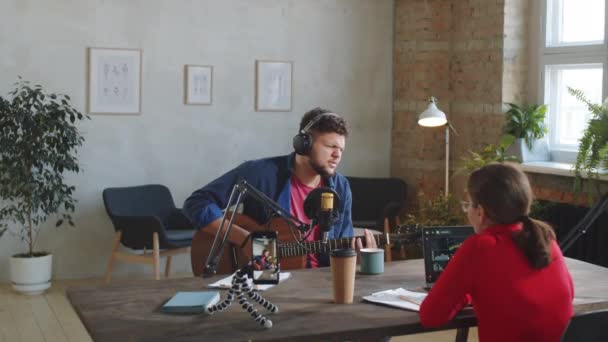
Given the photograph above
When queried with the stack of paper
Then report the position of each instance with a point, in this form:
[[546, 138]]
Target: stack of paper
[[399, 298], [226, 283]]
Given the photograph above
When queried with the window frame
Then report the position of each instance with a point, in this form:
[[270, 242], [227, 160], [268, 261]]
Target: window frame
[[567, 54]]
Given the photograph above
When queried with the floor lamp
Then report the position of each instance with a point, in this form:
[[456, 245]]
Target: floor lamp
[[433, 117]]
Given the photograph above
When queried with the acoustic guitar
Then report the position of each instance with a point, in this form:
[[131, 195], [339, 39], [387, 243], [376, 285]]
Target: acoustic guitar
[[292, 255]]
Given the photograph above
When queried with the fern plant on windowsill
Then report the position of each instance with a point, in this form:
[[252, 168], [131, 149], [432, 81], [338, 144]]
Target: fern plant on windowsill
[[593, 145]]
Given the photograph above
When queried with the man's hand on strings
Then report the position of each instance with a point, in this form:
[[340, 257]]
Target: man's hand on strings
[[370, 242]]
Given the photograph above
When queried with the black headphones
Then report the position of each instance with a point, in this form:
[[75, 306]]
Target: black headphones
[[302, 142]]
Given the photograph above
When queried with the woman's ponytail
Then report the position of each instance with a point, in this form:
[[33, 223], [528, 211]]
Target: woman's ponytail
[[534, 240]]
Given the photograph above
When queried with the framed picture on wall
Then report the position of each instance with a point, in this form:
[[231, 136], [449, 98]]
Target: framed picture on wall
[[198, 84], [273, 84], [114, 81]]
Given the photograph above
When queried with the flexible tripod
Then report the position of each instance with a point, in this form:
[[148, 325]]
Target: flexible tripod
[[239, 290]]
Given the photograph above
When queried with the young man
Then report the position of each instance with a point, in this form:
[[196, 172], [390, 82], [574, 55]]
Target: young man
[[262, 261], [287, 180]]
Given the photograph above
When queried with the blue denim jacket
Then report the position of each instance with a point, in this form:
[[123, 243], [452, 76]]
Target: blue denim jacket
[[272, 177]]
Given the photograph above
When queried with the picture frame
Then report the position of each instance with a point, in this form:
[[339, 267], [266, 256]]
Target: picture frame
[[198, 84], [114, 81], [273, 86]]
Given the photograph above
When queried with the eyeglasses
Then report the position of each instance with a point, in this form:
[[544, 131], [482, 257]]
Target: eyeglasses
[[465, 206]]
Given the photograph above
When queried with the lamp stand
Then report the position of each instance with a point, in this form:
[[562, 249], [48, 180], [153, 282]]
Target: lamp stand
[[447, 159]]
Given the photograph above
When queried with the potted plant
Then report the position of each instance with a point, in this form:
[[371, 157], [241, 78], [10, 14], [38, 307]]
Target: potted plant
[[38, 144], [439, 210], [430, 210], [527, 124], [593, 145], [491, 153]]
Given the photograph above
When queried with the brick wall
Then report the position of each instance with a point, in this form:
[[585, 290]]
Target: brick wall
[[472, 55], [455, 51], [557, 189], [515, 51]]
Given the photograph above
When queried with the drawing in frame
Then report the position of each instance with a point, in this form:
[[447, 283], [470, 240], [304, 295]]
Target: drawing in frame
[[198, 84], [273, 86], [114, 81]]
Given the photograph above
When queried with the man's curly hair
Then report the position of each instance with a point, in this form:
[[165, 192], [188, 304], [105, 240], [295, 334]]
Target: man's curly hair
[[327, 124]]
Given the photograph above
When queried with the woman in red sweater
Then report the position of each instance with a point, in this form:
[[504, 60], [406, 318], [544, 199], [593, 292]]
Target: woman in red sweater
[[512, 271]]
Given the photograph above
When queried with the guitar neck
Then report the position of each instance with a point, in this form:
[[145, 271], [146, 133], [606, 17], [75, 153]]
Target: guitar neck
[[291, 249]]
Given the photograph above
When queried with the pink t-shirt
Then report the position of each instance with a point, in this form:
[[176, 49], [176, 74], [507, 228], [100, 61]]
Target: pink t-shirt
[[299, 191]]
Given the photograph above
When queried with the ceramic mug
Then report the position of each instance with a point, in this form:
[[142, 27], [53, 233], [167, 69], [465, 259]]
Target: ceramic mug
[[372, 260]]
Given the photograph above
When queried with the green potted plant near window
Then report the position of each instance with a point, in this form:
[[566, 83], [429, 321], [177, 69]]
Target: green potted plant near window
[[491, 153], [527, 124], [38, 144], [592, 155]]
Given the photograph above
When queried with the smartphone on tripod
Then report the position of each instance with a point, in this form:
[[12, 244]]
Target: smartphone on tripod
[[265, 267]]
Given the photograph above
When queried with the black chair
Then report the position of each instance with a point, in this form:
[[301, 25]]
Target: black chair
[[145, 218], [377, 203], [375, 199], [588, 326]]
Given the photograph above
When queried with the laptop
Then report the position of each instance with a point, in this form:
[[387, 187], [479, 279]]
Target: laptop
[[438, 246]]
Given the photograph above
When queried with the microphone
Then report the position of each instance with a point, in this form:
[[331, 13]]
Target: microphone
[[322, 206], [325, 214]]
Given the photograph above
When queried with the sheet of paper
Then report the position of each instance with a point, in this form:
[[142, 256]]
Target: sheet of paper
[[399, 298], [226, 283]]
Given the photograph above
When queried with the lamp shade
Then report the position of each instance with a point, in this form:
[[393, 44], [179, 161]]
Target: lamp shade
[[432, 116]]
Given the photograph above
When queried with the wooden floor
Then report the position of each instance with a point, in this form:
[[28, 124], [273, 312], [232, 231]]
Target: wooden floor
[[50, 317]]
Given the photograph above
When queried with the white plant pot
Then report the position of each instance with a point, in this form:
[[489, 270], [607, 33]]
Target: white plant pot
[[31, 275], [539, 151]]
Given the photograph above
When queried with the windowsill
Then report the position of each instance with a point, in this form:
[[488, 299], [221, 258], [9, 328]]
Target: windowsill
[[555, 168]]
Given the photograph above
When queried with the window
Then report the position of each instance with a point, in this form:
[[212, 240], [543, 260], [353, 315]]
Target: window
[[575, 22], [573, 54]]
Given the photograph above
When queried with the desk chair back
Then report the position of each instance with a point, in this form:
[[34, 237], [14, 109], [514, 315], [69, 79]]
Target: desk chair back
[[375, 199], [589, 327]]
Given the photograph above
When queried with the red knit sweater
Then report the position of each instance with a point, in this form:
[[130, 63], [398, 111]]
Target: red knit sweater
[[512, 301]]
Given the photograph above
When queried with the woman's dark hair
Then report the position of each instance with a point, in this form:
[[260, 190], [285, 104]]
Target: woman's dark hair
[[504, 192], [327, 124]]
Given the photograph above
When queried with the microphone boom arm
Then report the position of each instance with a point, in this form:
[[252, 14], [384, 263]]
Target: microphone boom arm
[[586, 222], [272, 205], [241, 189]]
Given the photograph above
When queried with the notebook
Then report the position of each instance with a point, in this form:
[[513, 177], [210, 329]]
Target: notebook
[[191, 302], [399, 298], [439, 245]]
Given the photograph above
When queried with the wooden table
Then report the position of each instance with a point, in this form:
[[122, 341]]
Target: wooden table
[[131, 312]]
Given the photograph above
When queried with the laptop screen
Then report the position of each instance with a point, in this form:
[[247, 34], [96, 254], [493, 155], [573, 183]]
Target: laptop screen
[[439, 245]]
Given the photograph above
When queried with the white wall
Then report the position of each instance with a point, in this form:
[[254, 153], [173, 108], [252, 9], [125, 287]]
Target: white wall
[[342, 55]]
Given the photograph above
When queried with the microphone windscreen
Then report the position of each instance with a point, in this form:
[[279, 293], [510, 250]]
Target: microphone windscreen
[[312, 203], [327, 201]]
